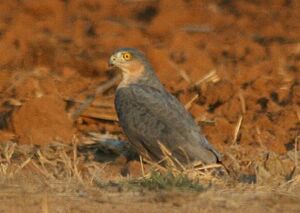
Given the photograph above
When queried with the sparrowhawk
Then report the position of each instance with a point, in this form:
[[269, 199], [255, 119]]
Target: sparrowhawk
[[149, 114]]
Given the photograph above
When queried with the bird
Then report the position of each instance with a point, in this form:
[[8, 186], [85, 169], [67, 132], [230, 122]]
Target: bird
[[150, 116]]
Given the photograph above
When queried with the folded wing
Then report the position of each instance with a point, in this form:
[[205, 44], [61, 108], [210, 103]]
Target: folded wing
[[149, 115]]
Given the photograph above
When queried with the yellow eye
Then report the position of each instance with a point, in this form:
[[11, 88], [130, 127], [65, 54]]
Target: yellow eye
[[127, 56]]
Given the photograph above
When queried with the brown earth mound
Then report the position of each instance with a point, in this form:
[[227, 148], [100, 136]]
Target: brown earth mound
[[43, 120]]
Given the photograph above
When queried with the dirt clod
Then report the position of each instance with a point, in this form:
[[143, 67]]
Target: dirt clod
[[43, 120]]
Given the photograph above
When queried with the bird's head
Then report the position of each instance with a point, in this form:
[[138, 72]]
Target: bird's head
[[134, 67], [129, 61]]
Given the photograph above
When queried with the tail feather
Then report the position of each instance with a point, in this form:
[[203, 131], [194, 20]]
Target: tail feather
[[210, 147]]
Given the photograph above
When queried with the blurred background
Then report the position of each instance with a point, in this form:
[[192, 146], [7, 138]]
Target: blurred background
[[235, 64]]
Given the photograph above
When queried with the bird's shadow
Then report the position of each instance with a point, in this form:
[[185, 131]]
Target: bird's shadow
[[109, 150]]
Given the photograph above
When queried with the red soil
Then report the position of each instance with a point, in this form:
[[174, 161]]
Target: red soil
[[53, 49]]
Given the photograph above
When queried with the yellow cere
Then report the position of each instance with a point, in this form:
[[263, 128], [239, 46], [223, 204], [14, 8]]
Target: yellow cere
[[127, 56]]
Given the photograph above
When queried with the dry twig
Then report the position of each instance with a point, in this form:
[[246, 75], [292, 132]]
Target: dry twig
[[212, 76], [237, 130], [243, 103], [88, 101], [189, 104], [181, 72]]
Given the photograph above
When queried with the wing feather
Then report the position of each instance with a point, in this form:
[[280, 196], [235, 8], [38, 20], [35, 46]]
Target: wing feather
[[147, 115]]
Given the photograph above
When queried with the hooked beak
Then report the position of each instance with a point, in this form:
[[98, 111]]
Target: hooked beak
[[111, 62]]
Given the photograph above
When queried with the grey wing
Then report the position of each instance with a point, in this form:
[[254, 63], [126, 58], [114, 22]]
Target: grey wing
[[157, 115], [174, 113], [190, 127], [141, 126]]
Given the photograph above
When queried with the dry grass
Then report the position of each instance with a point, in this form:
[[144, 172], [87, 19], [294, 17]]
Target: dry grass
[[67, 176], [54, 162], [64, 162]]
